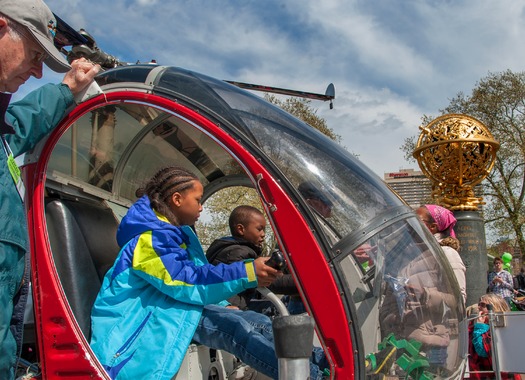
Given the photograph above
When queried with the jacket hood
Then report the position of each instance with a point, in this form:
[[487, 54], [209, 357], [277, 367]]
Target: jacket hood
[[218, 246], [141, 218]]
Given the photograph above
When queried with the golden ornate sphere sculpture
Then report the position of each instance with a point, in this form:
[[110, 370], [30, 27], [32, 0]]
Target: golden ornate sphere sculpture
[[456, 152]]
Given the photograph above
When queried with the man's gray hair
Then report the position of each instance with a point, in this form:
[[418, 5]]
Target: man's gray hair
[[14, 27]]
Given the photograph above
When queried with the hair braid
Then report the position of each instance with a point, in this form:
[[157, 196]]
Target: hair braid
[[166, 182]]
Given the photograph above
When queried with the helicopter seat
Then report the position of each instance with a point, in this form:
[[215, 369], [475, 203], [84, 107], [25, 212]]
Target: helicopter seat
[[82, 235]]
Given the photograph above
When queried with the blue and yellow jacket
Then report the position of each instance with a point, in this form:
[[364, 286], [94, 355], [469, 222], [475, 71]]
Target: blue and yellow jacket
[[152, 298]]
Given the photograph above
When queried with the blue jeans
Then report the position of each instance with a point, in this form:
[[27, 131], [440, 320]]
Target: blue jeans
[[247, 335], [295, 306]]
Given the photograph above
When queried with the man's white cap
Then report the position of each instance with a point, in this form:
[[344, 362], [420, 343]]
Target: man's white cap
[[38, 19]]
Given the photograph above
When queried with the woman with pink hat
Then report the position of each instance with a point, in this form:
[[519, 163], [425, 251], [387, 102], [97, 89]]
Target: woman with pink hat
[[441, 222]]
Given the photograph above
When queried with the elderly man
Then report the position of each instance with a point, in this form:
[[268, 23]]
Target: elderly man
[[27, 30]]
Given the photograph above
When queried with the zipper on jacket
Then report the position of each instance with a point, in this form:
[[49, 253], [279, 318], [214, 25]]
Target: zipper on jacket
[[127, 344]]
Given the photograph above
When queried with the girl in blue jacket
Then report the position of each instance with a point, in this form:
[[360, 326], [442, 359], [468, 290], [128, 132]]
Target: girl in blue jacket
[[161, 292]]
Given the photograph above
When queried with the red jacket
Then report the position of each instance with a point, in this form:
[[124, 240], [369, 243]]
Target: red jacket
[[480, 363]]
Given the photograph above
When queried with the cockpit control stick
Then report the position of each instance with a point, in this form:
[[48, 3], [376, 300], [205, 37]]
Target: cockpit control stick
[[276, 260]]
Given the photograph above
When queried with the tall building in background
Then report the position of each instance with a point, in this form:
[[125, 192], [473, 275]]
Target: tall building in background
[[411, 185]]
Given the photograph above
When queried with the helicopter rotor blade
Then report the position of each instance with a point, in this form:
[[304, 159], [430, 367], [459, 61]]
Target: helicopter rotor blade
[[329, 95]]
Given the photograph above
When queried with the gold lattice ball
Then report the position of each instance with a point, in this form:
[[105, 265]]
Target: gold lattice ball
[[456, 149]]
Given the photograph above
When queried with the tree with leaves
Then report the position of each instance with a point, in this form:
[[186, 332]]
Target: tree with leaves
[[498, 101], [302, 109], [219, 206]]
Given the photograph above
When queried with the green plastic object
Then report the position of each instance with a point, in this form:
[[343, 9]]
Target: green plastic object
[[411, 360]]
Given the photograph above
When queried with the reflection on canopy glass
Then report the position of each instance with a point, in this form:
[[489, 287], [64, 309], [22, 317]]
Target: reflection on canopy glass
[[117, 147]]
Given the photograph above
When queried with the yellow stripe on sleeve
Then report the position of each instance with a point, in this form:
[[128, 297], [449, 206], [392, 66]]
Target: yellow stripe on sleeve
[[250, 271], [145, 259]]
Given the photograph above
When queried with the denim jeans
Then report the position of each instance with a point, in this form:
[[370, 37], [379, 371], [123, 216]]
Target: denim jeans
[[247, 335], [295, 306]]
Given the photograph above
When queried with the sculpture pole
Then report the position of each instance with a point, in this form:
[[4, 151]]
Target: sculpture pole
[[456, 152]]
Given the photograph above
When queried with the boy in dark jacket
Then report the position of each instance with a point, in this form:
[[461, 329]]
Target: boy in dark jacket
[[247, 227]]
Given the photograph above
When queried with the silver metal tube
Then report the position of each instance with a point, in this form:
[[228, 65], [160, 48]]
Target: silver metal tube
[[281, 308], [495, 363], [298, 368]]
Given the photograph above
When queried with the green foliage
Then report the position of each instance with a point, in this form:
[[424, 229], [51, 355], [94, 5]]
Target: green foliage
[[409, 145], [301, 108], [499, 102], [217, 209]]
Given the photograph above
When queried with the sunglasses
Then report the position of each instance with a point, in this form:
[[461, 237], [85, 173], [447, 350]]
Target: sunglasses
[[482, 304]]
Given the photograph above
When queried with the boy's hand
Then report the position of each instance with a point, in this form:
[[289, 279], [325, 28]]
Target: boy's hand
[[265, 274]]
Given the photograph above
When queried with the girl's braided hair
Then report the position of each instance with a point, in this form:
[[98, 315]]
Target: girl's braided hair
[[163, 185]]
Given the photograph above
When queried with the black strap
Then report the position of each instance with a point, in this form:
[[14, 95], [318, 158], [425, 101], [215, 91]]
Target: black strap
[[4, 102]]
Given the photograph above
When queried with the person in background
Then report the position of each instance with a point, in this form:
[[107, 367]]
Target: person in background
[[520, 279], [441, 222], [162, 293], [27, 29], [480, 345], [500, 281], [316, 199]]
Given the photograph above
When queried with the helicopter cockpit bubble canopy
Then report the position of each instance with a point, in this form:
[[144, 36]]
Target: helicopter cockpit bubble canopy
[[367, 269]]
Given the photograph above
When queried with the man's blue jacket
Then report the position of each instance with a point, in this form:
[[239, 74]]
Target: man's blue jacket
[[152, 298]]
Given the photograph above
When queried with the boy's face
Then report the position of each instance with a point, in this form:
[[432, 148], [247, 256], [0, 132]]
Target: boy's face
[[254, 231]]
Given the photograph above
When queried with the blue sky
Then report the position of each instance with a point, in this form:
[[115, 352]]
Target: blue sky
[[391, 61]]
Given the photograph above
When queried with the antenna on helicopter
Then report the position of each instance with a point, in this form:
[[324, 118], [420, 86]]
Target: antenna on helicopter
[[329, 94]]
